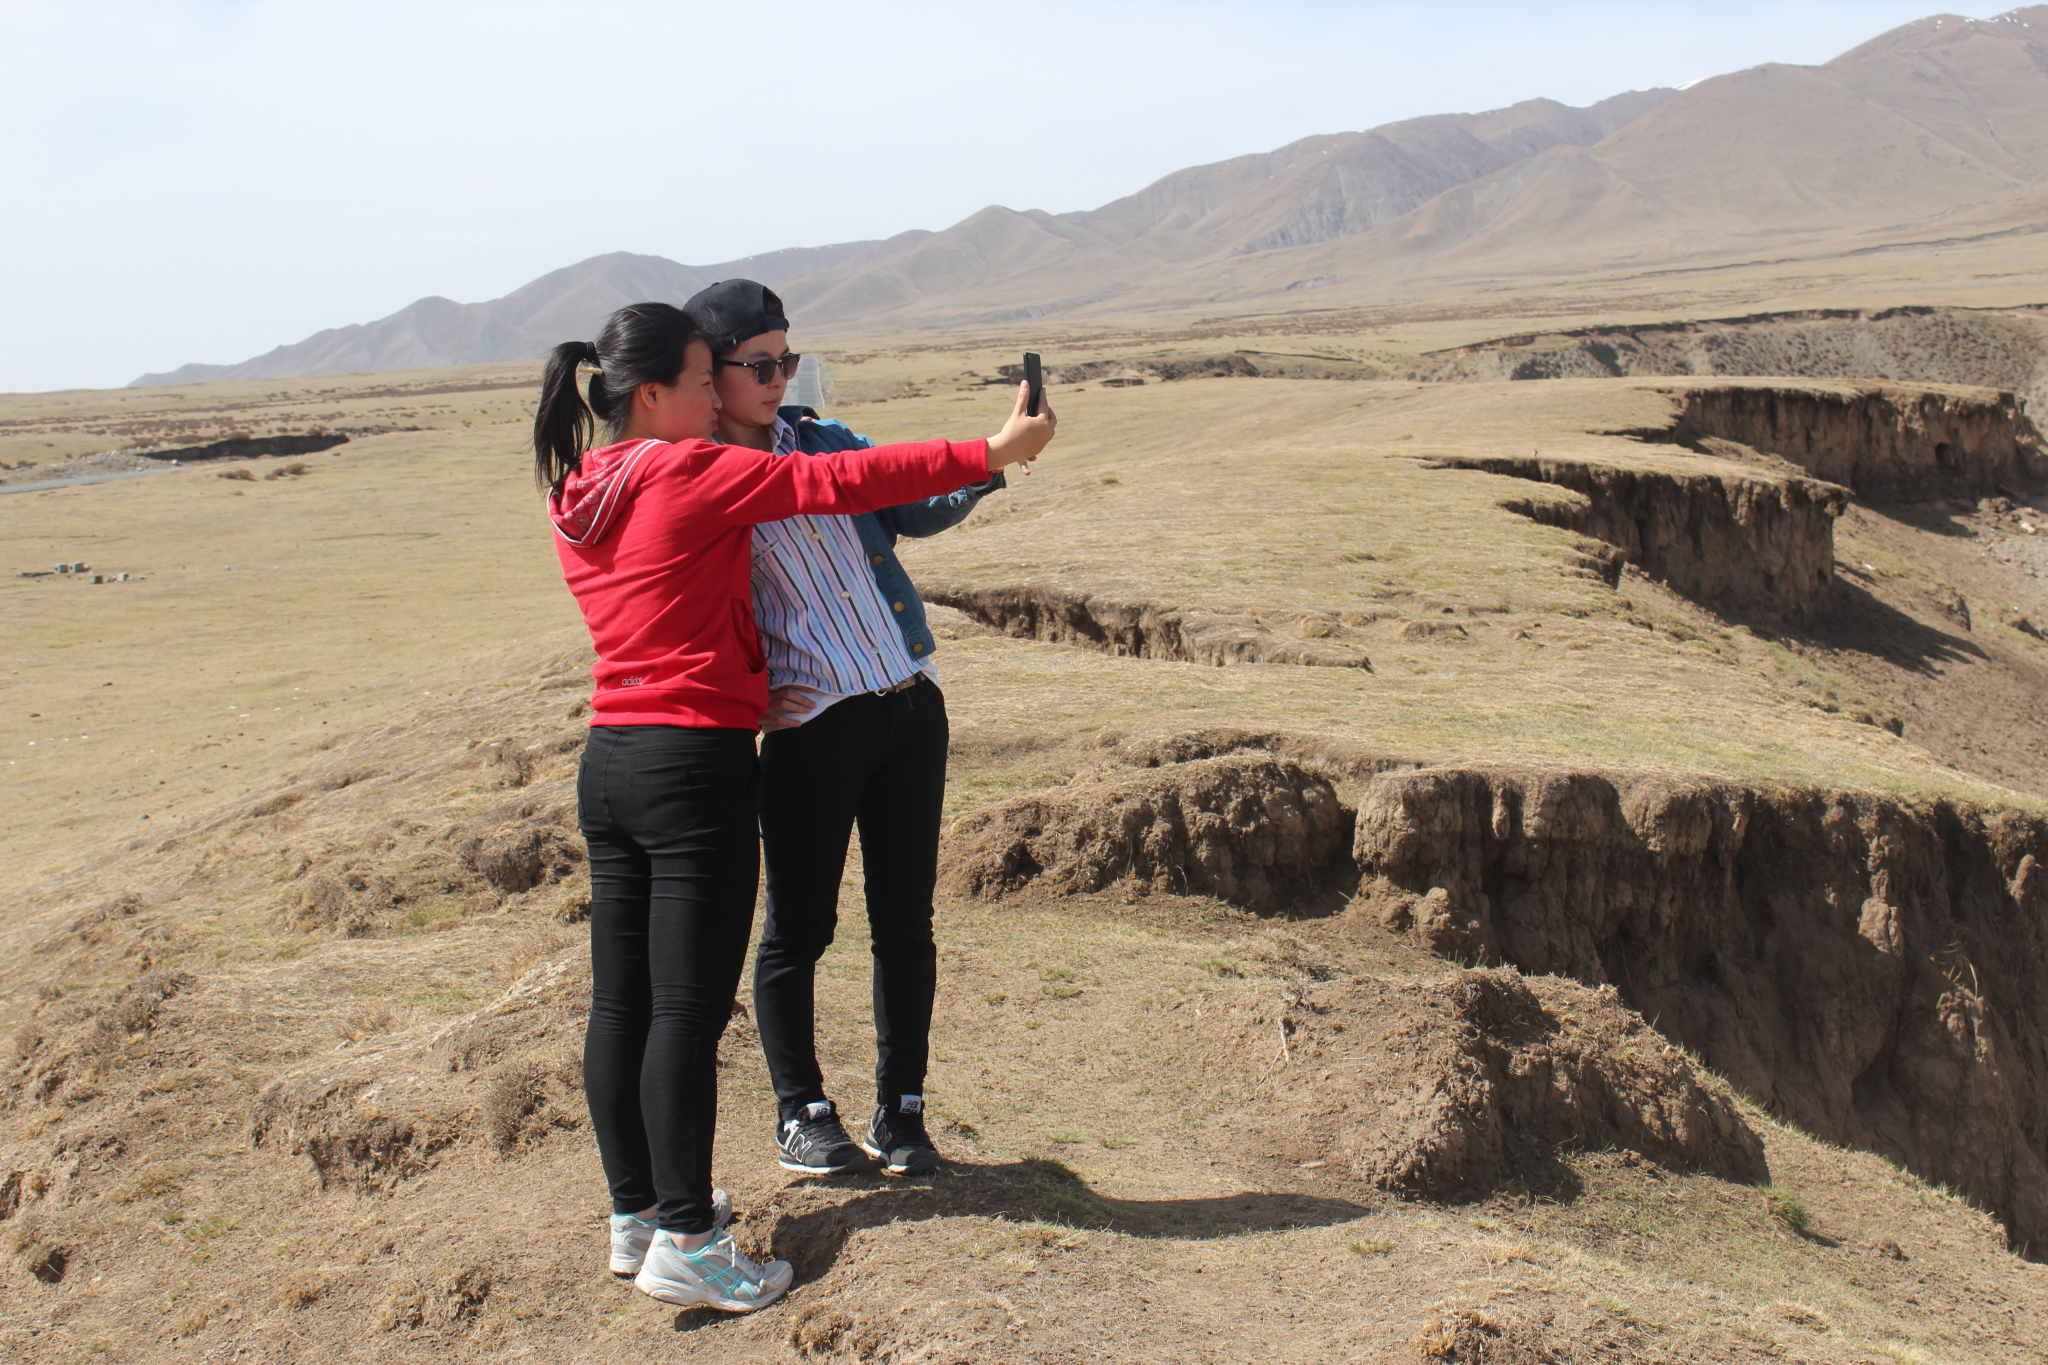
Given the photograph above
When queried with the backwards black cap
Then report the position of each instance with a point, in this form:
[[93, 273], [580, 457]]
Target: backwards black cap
[[732, 310]]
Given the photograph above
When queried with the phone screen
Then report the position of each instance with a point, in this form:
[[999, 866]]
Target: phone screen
[[1034, 375]]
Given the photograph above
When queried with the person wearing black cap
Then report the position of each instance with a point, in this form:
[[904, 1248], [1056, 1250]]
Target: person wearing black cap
[[856, 735]]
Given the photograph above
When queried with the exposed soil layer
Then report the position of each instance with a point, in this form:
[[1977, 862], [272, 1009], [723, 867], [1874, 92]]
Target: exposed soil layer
[[1148, 630], [248, 447], [2002, 349], [1764, 543], [1884, 444], [1721, 539], [1868, 967], [1483, 1075], [1254, 830], [1167, 368]]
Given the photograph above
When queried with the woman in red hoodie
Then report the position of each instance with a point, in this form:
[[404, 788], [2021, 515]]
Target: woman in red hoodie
[[654, 531]]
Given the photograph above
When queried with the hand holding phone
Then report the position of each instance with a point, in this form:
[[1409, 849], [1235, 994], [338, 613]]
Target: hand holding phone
[[1031, 425], [1034, 391]]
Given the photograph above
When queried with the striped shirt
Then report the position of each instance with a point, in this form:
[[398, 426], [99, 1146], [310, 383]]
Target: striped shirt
[[823, 622]]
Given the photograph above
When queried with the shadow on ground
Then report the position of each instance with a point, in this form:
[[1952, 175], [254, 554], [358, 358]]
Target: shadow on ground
[[808, 1224]]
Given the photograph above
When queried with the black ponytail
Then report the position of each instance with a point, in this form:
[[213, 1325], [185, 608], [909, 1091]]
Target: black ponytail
[[642, 343]]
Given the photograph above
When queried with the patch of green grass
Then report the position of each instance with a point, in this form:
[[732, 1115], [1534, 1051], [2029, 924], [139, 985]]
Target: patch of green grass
[[1371, 1247], [1787, 1207]]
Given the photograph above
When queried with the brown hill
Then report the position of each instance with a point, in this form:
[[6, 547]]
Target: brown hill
[[1932, 133], [521, 326], [1894, 137], [1936, 128], [1318, 189]]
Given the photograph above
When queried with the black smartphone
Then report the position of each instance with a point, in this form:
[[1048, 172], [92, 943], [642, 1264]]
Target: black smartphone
[[1035, 377]]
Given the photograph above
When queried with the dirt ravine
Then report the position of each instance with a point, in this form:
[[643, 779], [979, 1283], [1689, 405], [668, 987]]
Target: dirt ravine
[[1884, 443], [1760, 540], [1147, 630], [1867, 967], [1509, 1068], [1744, 544], [1999, 348], [1252, 829]]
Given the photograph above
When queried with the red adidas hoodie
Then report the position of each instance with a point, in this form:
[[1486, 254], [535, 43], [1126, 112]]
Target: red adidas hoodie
[[656, 539]]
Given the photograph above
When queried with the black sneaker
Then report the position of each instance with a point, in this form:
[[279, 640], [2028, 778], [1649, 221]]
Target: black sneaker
[[814, 1143], [896, 1138]]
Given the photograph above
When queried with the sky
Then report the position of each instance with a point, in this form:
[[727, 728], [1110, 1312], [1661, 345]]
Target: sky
[[203, 180]]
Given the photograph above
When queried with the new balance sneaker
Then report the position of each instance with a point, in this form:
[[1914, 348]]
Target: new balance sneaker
[[718, 1274], [814, 1142], [896, 1137], [631, 1235]]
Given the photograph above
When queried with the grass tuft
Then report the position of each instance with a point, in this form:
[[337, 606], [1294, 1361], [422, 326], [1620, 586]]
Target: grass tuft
[[1787, 1207]]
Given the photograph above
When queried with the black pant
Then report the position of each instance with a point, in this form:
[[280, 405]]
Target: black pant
[[879, 761], [669, 815]]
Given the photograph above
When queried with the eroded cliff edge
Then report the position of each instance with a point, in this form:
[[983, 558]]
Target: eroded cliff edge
[[1869, 967], [1721, 539], [1750, 529], [1866, 966], [2001, 348]]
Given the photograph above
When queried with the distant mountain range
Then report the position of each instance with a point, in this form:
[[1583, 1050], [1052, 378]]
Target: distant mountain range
[[523, 325], [1935, 129]]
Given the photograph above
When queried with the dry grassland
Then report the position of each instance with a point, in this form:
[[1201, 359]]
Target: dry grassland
[[294, 1073], [49, 428], [1434, 314]]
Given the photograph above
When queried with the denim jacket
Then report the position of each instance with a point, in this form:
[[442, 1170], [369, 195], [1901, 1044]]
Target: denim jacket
[[879, 530]]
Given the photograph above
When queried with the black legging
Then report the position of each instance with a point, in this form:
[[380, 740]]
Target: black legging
[[879, 762], [669, 815]]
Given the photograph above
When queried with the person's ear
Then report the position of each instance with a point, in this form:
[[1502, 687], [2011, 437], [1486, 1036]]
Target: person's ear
[[648, 396]]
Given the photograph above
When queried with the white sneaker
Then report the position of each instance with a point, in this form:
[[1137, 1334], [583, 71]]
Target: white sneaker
[[719, 1275], [631, 1236]]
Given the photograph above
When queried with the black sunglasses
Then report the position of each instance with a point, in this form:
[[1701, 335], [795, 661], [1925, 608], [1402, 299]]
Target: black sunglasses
[[764, 370]]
